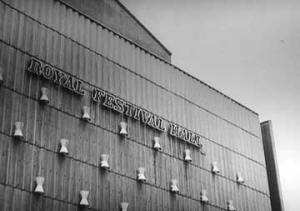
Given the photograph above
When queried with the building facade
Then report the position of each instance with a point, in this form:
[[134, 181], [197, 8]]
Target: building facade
[[95, 117]]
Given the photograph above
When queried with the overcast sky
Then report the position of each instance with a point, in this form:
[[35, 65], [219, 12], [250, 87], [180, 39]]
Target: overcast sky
[[248, 49]]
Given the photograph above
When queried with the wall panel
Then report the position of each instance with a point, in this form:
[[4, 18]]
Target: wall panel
[[66, 40]]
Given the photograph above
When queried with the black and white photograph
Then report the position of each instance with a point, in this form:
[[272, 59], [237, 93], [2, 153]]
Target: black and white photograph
[[149, 105]]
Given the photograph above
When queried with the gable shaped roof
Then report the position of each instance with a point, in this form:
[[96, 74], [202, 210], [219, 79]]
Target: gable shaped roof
[[113, 15]]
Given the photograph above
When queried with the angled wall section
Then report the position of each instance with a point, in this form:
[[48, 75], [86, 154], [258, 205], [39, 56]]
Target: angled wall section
[[272, 167], [112, 14]]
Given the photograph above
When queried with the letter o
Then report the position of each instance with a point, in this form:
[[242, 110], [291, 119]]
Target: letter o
[[47, 72]]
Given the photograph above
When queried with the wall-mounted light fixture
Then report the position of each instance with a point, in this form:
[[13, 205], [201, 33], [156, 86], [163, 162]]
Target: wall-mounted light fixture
[[123, 128], [187, 155], [104, 161], [156, 144], [64, 146], [124, 206], [39, 185], [214, 168], [203, 197], [141, 174], [84, 195], [85, 113], [44, 96], [230, 206], [18, 127], [174, 186], [1, 75], [239, 179]]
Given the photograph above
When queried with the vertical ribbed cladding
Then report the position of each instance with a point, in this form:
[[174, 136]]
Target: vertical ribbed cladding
[[65, 123], [62, 179], [65, 60], [198, 98]]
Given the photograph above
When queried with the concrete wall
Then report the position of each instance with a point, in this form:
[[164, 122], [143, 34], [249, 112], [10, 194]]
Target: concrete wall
[[62, 38]]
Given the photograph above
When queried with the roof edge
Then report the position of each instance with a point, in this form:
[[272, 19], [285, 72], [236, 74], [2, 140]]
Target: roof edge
[[209, 86], [266, 122]]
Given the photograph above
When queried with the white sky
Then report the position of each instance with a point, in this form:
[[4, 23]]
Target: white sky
[[248, 49]]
